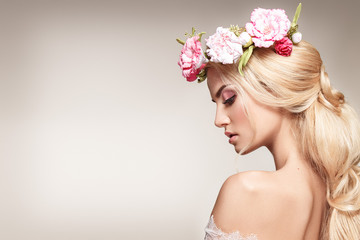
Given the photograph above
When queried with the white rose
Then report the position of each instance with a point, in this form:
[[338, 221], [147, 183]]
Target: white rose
[[296, 37]]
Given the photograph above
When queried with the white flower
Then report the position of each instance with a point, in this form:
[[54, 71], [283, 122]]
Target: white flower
[[203, 60], [224, 46], [244, 38], [296, 37]]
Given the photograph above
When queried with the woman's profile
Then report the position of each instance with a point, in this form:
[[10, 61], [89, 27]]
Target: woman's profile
[[271, 89]]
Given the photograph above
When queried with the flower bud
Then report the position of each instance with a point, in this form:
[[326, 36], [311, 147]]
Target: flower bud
[[296, 37], [245, 39]]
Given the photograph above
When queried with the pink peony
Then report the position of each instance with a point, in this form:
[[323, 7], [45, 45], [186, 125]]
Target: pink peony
[[192, 58], [284, 47], [267, 26], [224, 46]]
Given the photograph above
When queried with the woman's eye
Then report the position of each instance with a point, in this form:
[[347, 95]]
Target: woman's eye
[[230, 100]]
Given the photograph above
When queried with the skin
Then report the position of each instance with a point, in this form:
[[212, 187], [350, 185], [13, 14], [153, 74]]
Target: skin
[[293, 188]]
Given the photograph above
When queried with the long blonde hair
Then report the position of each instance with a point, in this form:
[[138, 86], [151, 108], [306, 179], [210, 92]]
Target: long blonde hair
[[326, 127]]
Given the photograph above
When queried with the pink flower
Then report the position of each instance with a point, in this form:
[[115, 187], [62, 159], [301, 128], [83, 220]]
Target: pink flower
[[284, 47], [267, 26], [224, 46], [192, 58]]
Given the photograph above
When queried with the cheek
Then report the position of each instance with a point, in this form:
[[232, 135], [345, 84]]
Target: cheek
[[268, 123], [241, 125], [240, 119]]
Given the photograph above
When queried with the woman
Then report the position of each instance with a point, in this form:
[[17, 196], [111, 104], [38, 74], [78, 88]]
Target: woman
[[271, 89]]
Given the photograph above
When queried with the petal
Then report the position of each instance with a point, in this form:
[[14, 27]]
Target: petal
[[249, 28]]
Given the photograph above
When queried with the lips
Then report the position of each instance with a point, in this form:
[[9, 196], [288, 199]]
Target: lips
[[229, 134], [232, 136]]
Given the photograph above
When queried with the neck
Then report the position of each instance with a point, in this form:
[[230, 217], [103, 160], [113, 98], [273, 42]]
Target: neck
[[285, 149]]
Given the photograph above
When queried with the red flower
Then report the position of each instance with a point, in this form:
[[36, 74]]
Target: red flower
[[283, 47]]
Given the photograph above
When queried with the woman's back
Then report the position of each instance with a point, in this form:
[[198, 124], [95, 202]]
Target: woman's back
[[271, 89], [286, 204]]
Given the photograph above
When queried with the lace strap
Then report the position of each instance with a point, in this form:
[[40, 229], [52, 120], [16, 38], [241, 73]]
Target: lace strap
[[212, 232]]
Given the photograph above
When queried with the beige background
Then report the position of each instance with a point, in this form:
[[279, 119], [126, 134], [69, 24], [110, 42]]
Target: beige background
[[100, 135]]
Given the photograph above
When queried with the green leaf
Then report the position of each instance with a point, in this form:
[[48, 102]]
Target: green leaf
[[201, 79], [297, 14], [240, 71], [201, 73], [200, 35], [244, 59], [201, 76], [205, 54], [193, 31], [180, 41], [248, 43], [241, 65], [248, 54]]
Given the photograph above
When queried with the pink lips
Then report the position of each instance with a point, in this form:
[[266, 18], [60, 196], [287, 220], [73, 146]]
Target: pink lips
[[232, 139], [232, 136]]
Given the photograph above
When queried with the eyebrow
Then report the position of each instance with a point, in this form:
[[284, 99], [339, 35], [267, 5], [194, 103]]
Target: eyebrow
[[217, 95]]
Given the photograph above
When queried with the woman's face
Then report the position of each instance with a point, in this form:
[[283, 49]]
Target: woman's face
[[230, 114]]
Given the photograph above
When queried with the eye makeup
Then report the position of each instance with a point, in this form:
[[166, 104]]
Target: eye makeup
[[229, 96]]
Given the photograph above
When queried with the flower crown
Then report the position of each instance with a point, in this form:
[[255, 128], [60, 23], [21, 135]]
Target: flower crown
[[268, 27]]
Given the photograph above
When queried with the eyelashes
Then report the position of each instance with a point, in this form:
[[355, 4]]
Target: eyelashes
[[230, 100]]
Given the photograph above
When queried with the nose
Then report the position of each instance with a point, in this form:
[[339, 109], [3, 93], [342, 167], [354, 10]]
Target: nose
[[221, 118]]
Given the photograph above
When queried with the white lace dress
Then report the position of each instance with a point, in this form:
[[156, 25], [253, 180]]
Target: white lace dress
[[212, 232]]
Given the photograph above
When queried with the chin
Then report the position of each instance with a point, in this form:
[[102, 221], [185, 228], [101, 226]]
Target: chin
[[238, 150]]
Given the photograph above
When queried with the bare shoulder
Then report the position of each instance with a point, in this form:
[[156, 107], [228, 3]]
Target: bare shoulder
[[261, 202]]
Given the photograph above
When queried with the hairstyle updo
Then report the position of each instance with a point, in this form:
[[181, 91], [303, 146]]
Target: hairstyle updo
[[326, 127]]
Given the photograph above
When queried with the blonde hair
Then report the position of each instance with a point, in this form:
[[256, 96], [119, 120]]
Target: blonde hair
[[326, 127]]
